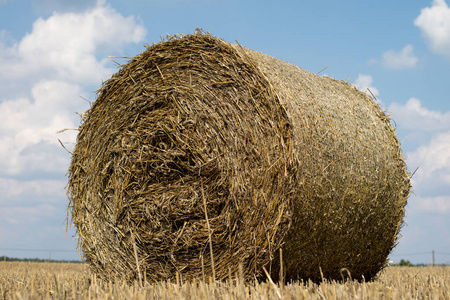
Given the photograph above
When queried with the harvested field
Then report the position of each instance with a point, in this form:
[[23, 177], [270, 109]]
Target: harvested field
[[199, 156], [20, 280]]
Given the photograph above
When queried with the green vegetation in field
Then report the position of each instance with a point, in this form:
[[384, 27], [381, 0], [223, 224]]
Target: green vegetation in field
[[6, 258], [405, 263]]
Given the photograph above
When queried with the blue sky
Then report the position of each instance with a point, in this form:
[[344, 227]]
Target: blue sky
[[54, 54]]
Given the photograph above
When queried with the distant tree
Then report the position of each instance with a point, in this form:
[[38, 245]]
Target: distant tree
[[6, 258], [405, 263]]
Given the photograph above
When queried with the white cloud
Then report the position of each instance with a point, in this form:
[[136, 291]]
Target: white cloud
[[28, 127], [429, 131], [44, 188], [414, 116], [405, 59], [8, 50], [30, 200], [18, 215], [364, 84], [43, 76], [65, 45], [433, 162], [434, 23], [438, 204]]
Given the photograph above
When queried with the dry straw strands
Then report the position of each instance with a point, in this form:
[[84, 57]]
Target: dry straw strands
[[200, 156]]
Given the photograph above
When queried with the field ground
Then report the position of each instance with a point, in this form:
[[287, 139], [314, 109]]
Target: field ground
[[28, 280]]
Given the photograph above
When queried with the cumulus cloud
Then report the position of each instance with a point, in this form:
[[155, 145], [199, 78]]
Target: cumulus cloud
[[404, 59], [432, 176], [439, 204], [414, 116], [65, 45], [429, 132], [418, 123], [44, 76], [16, 215], [434, 23], [44, 188], [31, 203], [364, 84], [28, 140], [433, 161]]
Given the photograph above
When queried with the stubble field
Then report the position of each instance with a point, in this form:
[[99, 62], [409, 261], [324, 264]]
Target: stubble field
[[25, 280]]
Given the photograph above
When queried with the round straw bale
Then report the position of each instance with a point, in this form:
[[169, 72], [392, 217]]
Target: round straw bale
[[199, 156]]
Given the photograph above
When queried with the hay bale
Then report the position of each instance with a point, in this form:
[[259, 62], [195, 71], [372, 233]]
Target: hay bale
[[198, 145]]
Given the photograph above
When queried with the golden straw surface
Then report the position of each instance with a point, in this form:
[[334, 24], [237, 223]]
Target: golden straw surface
[[200, 156]]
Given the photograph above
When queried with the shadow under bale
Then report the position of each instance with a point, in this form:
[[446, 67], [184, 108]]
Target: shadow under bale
[[199, 148]]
